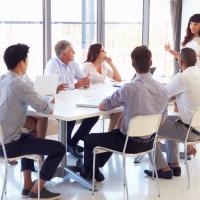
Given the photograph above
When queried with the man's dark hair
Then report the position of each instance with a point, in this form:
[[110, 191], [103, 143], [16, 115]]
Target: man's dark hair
[[141, 59], [14, 54], [188, 56]]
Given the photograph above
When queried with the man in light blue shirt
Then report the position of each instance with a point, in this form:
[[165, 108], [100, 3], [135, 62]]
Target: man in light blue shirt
[[143, 96], [15, 96], [69, 71]]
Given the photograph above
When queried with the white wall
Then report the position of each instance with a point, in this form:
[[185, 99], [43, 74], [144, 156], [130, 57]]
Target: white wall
[[190, 7]]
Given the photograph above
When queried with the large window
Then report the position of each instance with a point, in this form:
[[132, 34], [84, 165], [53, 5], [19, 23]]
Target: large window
[[21, 22], [74, 21], [123, 32], [160, 33]]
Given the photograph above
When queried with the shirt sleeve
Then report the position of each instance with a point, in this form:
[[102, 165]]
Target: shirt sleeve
[[118, 98], [175, 86], [27, 95], [51, 68], [79, 73], [108, 71]]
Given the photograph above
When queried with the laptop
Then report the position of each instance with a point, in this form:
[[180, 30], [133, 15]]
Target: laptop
[[46, 85]]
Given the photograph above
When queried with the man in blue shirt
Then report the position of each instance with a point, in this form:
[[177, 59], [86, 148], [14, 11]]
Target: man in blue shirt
[[143, 96], [15, 96], [69, 71]]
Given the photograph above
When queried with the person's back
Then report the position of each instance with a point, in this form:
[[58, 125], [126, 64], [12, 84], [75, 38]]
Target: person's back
[[143, 96], [190, 98]]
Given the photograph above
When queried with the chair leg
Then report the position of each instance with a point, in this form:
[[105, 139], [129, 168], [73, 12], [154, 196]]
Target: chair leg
[[125, 178], [155, 170], [38, 161], [186, 162], [93, 171], [5, 180]]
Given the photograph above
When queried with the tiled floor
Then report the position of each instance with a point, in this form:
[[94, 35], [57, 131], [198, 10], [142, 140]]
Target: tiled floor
[[140, 186]]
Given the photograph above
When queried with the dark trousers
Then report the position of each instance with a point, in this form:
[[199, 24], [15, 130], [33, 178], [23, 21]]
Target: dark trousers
[[112, 140], [29, 144], [82, 131]]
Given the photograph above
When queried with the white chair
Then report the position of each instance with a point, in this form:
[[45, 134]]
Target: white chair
[[139, 126], [194, 124], [6, 160]]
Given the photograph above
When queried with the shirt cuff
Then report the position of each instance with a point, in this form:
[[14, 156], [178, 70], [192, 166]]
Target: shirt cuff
[[71, 86]]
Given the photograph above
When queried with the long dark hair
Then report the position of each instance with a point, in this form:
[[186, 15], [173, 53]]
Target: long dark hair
[[93, 52], [189, 36]]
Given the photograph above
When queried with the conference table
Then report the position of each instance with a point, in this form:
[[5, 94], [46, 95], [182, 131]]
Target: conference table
[[77, 104]]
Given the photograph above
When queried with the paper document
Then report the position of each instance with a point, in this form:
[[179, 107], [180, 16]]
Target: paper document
[[89, 102]]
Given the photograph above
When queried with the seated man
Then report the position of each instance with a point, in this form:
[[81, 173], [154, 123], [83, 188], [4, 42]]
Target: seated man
[[143, 96], [15, 96], [68, 70], [183, 87]]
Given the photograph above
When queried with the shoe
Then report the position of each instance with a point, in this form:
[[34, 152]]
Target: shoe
[[72, 150], [79, 148], [176, 170], [161, 174], [44, 194], [14, 162], [99, 177], [25, 192], [182, 156]]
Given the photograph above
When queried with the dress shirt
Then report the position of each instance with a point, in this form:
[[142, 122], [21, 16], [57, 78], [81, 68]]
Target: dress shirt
[[143, 96], [96, 77], [67, 72], [15, 96], [185, 87]]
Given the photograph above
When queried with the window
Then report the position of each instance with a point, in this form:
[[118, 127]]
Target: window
[[160, 33], [74, 21], [21, 22], [123, 32]]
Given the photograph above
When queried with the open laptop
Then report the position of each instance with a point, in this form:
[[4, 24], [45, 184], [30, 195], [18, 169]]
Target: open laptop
[[46, 85]]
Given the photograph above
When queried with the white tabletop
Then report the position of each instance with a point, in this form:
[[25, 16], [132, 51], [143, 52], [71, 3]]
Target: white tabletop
[[65, 107]]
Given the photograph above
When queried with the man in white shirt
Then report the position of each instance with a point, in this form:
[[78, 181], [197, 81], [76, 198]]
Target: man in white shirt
[[183, 87], [68, 70]]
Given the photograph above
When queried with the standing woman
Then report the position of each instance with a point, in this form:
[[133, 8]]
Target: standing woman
[[192, 38], [98, 66]]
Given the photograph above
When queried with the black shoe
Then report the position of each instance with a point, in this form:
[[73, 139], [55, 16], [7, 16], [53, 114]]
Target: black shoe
[[25, 193], [79, 148], [161, 174], [72, 150], [44, 194], [176, 170], [88, 175], [99, 176], [182, 156]]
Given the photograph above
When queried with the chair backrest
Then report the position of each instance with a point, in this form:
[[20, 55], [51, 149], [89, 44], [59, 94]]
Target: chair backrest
[[195, 122], [144, 125]]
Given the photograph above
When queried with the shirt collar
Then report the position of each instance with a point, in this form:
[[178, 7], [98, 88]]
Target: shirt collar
[[61, 63], [143, 76]]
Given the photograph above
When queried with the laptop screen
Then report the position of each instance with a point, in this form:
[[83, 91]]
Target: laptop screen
[[46, 85]]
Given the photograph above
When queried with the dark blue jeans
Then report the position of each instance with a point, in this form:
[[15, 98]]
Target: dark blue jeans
[[29, 144], [83, 130], [113, 140]]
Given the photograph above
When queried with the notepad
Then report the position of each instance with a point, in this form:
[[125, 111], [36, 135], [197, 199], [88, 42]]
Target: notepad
[[89, 103]]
